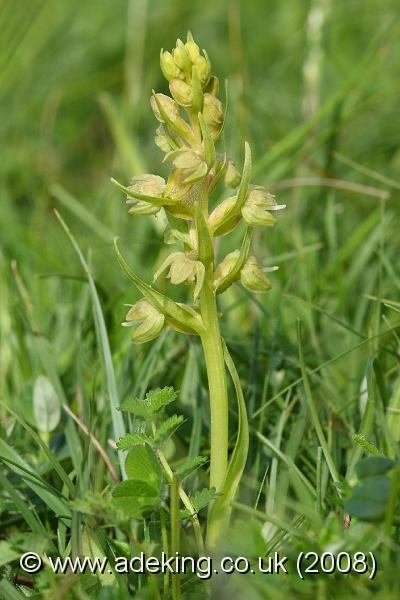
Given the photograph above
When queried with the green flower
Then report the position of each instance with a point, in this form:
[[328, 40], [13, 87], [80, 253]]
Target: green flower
[[149, 185], [168, 105], [258, 207], [203, 68], [183, 269], [192, 48], [190, 162], [166, 110], [182, 57], [169, 67], [213, 114], [253, 277], [232, 176], [151, 321], [182, 92]]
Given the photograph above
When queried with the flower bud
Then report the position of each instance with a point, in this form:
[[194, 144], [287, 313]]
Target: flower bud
[[197, 91], [151, 321], [192, 47], [182, 57], [168, 105], [253, 278], [168, 66], [212, 110], [213, 115], [172, 235], [232, 176], [182, 92], [203, 69], [187, 235], [166, 110], [225, 267]]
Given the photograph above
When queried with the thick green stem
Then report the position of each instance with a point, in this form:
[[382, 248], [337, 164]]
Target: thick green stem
[[216, 374], [165, 547], [214, 357], [175, 536], [186, 501]]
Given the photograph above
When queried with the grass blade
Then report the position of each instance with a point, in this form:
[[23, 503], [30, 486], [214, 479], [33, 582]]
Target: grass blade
[[10, 457], [314, 413], [80, 211], [116, 416]]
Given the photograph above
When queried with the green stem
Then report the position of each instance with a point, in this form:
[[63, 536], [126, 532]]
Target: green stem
[[186, 502], [164, 539], [215, 365], [175, 535], [214, 358]]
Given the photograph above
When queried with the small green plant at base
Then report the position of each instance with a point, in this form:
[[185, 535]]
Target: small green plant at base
[[191, 121]]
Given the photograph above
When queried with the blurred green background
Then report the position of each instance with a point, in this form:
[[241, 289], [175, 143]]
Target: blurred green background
[[314, 88]]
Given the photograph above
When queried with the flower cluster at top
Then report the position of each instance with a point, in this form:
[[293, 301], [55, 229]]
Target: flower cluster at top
[[191, 120]]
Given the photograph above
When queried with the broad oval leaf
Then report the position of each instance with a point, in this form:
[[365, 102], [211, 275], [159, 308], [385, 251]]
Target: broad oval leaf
[[373, 466], [369, 499], [46, 405]]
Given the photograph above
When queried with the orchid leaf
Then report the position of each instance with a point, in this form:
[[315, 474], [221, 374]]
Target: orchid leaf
[[234, 274]]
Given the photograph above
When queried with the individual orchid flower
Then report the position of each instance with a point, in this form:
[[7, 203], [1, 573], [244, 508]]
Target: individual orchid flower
[[191, 163], [258, 208], [145, 185], [253, 277], [151, 322], [183, 269]]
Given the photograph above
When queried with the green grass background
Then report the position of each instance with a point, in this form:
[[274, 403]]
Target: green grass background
[[314, 88]]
